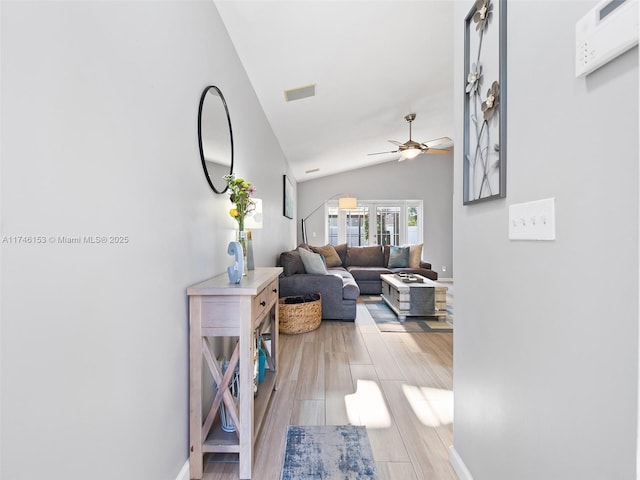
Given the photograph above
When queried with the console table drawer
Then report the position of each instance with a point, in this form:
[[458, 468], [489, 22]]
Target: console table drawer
[[220, 313], [265, 300]]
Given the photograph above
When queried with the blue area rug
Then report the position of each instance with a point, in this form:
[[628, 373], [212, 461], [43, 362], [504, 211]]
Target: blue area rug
[[328, 452]]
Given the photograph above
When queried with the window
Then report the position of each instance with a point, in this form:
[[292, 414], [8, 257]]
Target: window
[[388, 225], [357, 227], [395, 222]]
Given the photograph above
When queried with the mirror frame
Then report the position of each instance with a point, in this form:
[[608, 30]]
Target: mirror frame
[[202, 159]]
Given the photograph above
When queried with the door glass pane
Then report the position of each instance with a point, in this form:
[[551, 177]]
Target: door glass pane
[[388, 225], [358, 227], [332, 226], [413, 235]]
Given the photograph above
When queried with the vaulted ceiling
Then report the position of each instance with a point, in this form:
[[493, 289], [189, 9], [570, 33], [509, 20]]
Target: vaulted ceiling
[[372, 62]]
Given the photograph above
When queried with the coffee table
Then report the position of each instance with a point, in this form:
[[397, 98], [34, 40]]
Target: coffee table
[[424, 298]]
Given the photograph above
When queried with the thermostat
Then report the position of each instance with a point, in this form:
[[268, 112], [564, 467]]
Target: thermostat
[[606, 31]]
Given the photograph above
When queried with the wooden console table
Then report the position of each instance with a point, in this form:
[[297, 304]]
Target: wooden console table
[[220, 309]]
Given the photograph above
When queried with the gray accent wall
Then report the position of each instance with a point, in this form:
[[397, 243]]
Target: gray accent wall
[[99, 138], [546, 341], [428, 178]]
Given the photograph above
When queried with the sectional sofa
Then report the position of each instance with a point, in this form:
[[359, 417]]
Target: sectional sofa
[[348, 272]]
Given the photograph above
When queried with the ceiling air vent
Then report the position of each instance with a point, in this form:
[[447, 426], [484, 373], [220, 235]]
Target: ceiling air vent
[[300, 92]]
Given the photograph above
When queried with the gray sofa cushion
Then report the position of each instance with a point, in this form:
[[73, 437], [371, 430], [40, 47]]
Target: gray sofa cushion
[[350, 290], [365, 256], [363, 274]]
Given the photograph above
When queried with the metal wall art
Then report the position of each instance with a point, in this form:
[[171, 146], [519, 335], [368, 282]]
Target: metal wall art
[[485, 117]]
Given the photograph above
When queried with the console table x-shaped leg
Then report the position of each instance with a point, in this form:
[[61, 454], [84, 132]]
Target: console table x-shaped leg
[[223, 393]]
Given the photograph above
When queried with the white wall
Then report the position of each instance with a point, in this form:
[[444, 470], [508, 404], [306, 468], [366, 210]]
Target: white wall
[[99, 110], [546, 355], [428, 178]]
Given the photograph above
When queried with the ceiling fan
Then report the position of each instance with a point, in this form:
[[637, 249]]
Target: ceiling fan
[[411, 149]]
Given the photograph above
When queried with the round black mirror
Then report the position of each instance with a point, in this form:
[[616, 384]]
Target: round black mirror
[[215, 138]]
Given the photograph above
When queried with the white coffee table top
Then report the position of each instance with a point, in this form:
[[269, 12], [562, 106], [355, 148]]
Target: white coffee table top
[[392, 279]]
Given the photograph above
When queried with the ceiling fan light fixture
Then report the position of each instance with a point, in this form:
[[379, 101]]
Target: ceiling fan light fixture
[[411, 149], [410, 153]]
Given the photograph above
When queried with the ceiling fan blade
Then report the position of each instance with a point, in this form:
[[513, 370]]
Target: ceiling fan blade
[[436, 150], [442, 143], [396, 143], [380, 153]]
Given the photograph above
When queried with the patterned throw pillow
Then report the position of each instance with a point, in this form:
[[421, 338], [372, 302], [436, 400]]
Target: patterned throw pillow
[[330, 255], [312, 262], [398, 257]]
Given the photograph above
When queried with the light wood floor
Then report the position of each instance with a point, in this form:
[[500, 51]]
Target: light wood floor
[[398, 385]]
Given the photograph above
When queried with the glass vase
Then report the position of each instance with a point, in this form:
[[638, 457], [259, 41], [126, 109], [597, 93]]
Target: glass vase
[[241, 238]]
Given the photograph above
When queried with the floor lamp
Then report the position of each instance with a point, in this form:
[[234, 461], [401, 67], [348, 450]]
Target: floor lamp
[[344, 203]]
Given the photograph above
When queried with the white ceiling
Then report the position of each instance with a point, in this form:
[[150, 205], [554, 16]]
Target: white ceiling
[[372, 61]]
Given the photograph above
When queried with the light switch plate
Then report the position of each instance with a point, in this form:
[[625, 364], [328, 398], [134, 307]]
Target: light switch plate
[[533, 220]]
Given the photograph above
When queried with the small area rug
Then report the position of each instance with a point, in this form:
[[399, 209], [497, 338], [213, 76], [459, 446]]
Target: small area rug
[[328, 452], [387, 321]]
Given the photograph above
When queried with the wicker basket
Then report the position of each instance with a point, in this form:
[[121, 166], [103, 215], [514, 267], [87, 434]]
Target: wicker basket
[[299, 317]]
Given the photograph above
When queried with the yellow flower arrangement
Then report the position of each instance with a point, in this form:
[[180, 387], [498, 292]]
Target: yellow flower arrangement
[[240, 193]]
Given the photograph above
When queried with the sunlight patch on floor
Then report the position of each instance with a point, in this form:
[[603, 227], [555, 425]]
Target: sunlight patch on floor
[[367, 406], [432, 406]]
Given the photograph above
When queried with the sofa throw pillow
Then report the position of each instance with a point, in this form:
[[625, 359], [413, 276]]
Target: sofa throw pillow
[[331, 257], [312, 262], [398, 257], [341, 250], [415, 255], [291, 263]]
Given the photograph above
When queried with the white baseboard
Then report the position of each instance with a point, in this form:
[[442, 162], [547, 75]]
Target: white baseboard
[[458, 465], [445, 279], [184, 472]]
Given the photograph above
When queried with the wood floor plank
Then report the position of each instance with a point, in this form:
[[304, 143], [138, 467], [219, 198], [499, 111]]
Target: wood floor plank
[[416, 369], [382, 359], [308, 412], [358, 352], [219, 470], [290, 353], [338, 384], [372, 410], [335, 338], [396, 471], [419, 437], [270, 444], [364, 320], [311, 372]]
